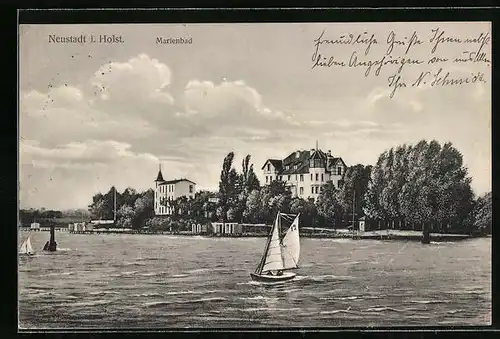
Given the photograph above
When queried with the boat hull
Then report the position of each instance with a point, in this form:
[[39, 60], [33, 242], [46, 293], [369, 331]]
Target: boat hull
[[272, 278]]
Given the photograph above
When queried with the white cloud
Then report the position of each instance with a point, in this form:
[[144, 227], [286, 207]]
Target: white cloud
[[117, 126]]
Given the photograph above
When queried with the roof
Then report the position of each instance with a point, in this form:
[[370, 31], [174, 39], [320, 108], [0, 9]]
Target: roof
[[275, 162], [298, 162], [160, 176], [336, 160], [175, 181]]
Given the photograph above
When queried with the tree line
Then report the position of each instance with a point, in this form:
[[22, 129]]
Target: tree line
[[420, 186], [135, 210], [243, 199]]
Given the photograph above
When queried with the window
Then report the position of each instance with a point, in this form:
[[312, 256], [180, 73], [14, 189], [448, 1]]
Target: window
[[322, 178], [268, 167], [289, 177], [312, 190], [267, 179], [301, 190], [302, 177], [190, 188], [311, 177], [317, 176], [339, 170], [317, 189], [295, 177]]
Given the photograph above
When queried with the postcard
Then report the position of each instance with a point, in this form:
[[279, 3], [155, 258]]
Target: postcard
[[254, 175]]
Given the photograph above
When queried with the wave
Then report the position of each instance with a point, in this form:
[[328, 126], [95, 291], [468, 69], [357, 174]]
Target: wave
[[60, 273], [429, 301], [103, 292], [124, 274], [91, 303], [350, 263], [199, 270], [347, 298], [147, 295], [152, 274], [62, 249], [358, 297], [382, 309], [149, 259], [348, 310], [85, 303], [251, 282], [271, 309], [179, 276], [131, 263], [323, 277], [192, 292], [194, 301], [258, 298]]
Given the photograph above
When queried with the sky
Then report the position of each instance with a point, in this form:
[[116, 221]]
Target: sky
[[96, 115]]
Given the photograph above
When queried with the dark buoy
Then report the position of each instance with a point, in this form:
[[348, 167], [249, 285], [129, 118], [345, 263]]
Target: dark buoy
[[51, 245], [426, 236]]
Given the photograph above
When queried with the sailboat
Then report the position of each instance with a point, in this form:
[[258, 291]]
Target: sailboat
[[26, 247], [281, 253]]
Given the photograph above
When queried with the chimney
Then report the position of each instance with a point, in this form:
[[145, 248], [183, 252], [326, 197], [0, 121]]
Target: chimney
[[329, 153]]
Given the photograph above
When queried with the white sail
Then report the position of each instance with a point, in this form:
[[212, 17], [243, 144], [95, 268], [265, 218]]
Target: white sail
[[26, 247], [273, 260], [291, 246]]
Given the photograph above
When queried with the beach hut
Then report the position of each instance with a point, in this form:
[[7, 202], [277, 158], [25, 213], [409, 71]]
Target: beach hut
[[362, 224], [35, 226]]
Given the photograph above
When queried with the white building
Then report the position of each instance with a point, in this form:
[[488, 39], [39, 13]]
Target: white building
[[166, 191], [305, 172]]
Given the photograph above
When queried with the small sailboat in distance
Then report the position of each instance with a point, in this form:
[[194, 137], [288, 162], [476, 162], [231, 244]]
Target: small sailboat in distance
[[26, 247], [281, 253]]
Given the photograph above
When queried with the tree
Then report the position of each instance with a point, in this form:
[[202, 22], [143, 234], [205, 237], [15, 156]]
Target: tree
[[227, 186], [355, 181], [128, 197], [253, 208], [248, 177], [306, 208], [125, 216], [275, 198], [143, 208], [482, 214], [328, 205], [424, 185], [97, 206]]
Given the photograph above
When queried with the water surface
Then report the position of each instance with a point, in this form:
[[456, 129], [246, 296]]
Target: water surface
[[159, 281]]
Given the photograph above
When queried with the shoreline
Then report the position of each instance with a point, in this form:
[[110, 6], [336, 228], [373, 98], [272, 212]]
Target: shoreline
[[369, 235]]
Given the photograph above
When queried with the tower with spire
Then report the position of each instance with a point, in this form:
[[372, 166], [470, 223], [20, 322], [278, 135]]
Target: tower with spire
[[170, 190], [159, 177]]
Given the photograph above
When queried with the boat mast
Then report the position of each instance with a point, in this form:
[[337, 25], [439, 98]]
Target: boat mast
[[114, 203], [264, 256], [353, 206], [263, 259]]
